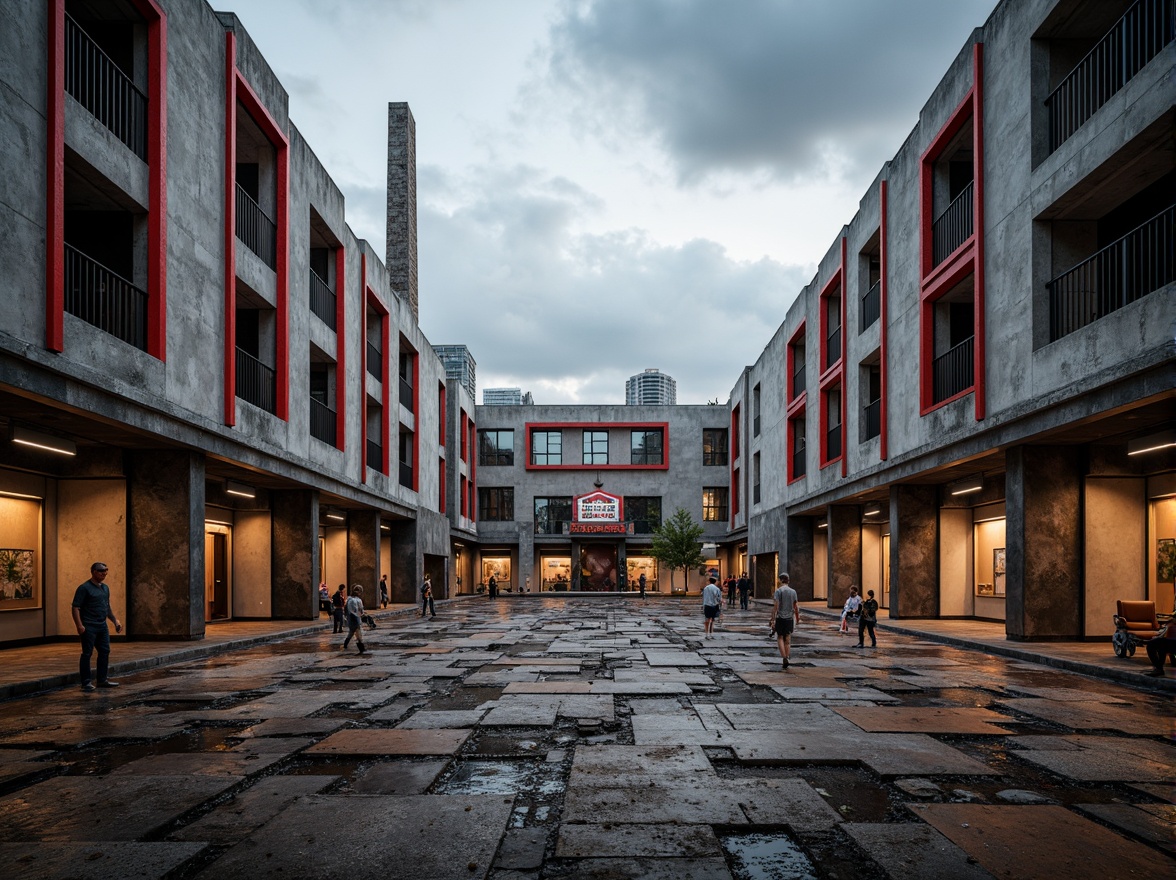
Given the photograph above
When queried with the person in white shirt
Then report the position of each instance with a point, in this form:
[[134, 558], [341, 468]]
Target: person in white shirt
[[712, 606], [849, 612]]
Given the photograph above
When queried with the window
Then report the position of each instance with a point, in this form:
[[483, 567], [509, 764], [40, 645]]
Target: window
[[546, 447], [407, 382], [714, 447], [796, 371], [755, 411], [870, 387], [646, 447], [551, 514], [596, 447], [406, 459], [496, 504], [495, 447], [755, 479], [643, 512], [798, 446], [714, 504], [463, 428], [832, 425]]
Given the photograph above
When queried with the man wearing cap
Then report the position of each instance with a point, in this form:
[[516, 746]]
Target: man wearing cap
[[785, 617], [712, 605], [91, 609]]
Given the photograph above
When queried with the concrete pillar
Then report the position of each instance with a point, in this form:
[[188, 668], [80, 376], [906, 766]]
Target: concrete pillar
[[764, 575], [295, 550], [575, 551], [622, 566], [165, 545], [1043, 536], [845, 551], [401, 253], [914, 551], [404, 579], [798, 560], [363, 553]]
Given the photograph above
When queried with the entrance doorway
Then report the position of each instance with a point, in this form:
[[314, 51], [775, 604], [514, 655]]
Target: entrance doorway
[[217, 600], [598, 567]]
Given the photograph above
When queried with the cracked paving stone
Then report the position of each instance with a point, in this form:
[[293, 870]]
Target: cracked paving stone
[[391, 742], [95, 861]]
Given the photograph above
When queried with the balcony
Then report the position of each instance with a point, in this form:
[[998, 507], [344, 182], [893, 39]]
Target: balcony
[[97, 84], [833, 443], [406, 395], [255, 382], [798, 380], [953, 371], [799, 459], [322, 299], [871, 306], [375, 361], [833, 346], [322, 422], [100, 297], [872, 418], [256, 230], [375, 455], [1135, 39], [1137, 264], [406, 475], [952, 228]]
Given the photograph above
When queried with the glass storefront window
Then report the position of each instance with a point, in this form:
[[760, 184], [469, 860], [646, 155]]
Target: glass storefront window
[[639, 565], [20, 558], [499, 567], [556, 574]]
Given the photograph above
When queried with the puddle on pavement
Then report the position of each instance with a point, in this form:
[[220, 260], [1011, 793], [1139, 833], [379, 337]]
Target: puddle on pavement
[[766, 857], [104, 757], [537, 787]]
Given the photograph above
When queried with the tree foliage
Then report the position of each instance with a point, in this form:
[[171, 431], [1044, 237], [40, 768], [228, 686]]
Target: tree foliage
[[676, 544]]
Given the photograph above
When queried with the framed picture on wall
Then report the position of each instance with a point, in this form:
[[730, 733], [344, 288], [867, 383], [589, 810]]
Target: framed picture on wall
[[998, 571], [19, 587], [1166, 560]]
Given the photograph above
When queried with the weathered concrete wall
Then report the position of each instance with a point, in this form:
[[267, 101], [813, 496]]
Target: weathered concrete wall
[[845, 551], [914, 551], [1116, 548], [401, 252], [363, 564], [800, 557], [295, 544], [252, 563]]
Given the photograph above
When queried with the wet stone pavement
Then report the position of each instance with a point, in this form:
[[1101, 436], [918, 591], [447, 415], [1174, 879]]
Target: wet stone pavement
[[596, 738]]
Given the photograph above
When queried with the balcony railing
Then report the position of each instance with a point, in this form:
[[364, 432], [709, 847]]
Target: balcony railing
[[952, 227], [952, 372], [255, 381], [798, 381], [375, 455], [375, 361], [322, 422], [872, 418], [1140, 262], [871, 306], [833, 443], [1135, 39], [255, 229], [98, 85], [799, 460], [406, 396], [108, 301], [833, 346], [406, 475], [322, 299]]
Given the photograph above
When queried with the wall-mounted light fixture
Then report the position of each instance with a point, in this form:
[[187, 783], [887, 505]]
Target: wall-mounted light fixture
[[232, 487], [21, 496], [966, 486], [823, 524], [1152, 442], [873, 510], [384, 527], [47, 442], [337, 517]]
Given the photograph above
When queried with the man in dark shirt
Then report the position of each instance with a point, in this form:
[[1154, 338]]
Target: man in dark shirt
[[91, 610]]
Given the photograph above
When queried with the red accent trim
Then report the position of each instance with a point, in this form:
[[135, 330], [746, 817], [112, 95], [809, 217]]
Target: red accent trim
[[844, 355], [790, 363], [530, 427], [341, 352], [958, 119], [823, 320], [55, 182], [978, 387], [464, 500], [961, 267], [463, 427], [386, 396], [416, 434], [473, 468], [230, 229], [441, 412], [157, 176], [884, 437]]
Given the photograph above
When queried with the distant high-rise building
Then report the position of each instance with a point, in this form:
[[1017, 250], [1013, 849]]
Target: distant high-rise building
[[651, 387], [459, 366], [507, 397]]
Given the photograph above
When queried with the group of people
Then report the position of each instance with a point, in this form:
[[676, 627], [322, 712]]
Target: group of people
[[737, 587], [864, 612]]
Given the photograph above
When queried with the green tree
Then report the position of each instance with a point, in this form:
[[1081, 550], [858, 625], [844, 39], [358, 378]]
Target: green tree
[[676, 544]]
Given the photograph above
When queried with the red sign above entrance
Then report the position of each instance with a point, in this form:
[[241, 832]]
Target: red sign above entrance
[[597, 507], [599, 528]]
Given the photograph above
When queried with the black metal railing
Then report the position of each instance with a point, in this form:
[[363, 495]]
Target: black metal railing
[[406, 397], [375, 455], [872, 417], [871, 306], [322, 299], [1140, 262], [375, 361], [1134, 40], [833, 443], [953, 226], [953, 371], [322, 422], [833, 346], [406, 475], [255, 381], [798, 380], [101, 87], [799, 459], [105, 299], [255, 229]]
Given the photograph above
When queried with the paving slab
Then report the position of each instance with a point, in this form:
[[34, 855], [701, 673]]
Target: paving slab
[[1160, 790], [676, 730], [1064, 694], [1063, 844], [674, 658], [1101, 758], [251, 808], [442, 719], [620, 841], [819, 694], [110, 808], [1137, 721], [391, 742], [697, 800], [548, 687], [914, 852], [251, 757], [787, 717], [393, 712], [641, 688], [79, 731], [294, 727], [648, 869], [1153, 823], [888, 754], [523, 710], [398, 777], [60, 860], [790, 802], [522, 849], [438, 837], [924, 719]]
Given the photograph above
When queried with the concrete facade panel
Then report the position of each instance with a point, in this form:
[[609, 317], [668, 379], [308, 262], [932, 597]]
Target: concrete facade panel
[[1115, 557]]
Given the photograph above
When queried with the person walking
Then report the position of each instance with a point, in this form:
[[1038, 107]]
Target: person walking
[[492, 587], [91, 609], [354, 609], [641, 585], [869, 617], [785, 617], [744, 587], [850, 611], [383, 591], [731, 584], [338, 601], [712, 606], [427, 598]]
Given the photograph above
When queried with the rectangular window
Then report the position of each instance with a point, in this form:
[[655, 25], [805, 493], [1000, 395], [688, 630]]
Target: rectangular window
[[463, 489], [496, 504], [755, 411], [407, 462], [546, 447], [755, 479], [646, 447], [643, 512], [596, 447], [798, 446], [441, 485], [714, 504], [495, 447], [551, 514], [714, 446]]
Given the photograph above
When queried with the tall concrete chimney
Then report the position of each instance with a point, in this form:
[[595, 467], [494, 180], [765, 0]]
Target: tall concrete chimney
[[401, 253]]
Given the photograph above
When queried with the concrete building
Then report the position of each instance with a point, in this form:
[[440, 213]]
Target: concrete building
[[507, 397], [460, 366], [651, 388]]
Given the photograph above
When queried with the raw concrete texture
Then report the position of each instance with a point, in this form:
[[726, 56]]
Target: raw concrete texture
[[790, 802], [391, 742], [236, 819], [620, 841], [399, 777], [931, 719], [95, 861], [915, 852], [295, 554], [914, 551], [1150, 822]]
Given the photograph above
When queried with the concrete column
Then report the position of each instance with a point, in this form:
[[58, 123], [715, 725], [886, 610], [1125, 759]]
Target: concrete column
[[404, 579], [845, 551], [295, 551], [798, 558], [764, 576], [363, 553], [165, 544], [1043, 536], [527, 555], [575, 551], [401, 253], [914, 551], [623, 564]]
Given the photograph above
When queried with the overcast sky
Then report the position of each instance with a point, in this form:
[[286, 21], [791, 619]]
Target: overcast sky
[[610, 185]]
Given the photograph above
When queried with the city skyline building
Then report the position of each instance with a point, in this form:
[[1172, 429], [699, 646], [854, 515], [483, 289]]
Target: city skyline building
[[460, 366], [651, 387], [507, 397]]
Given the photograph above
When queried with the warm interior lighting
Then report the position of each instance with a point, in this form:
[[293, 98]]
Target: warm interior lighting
[[386, 528], [21, 495], [232, 487], [874, 511], [963, 487], [47, 442], [338, 517], [1152, 442], [822, 525]]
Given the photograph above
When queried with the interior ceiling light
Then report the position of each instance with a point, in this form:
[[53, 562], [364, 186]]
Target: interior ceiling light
[[874, 511], [232, 487], [963, 487], [47, 442], [822, 525], [1152, 442], [21, 495], [337, 517]]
